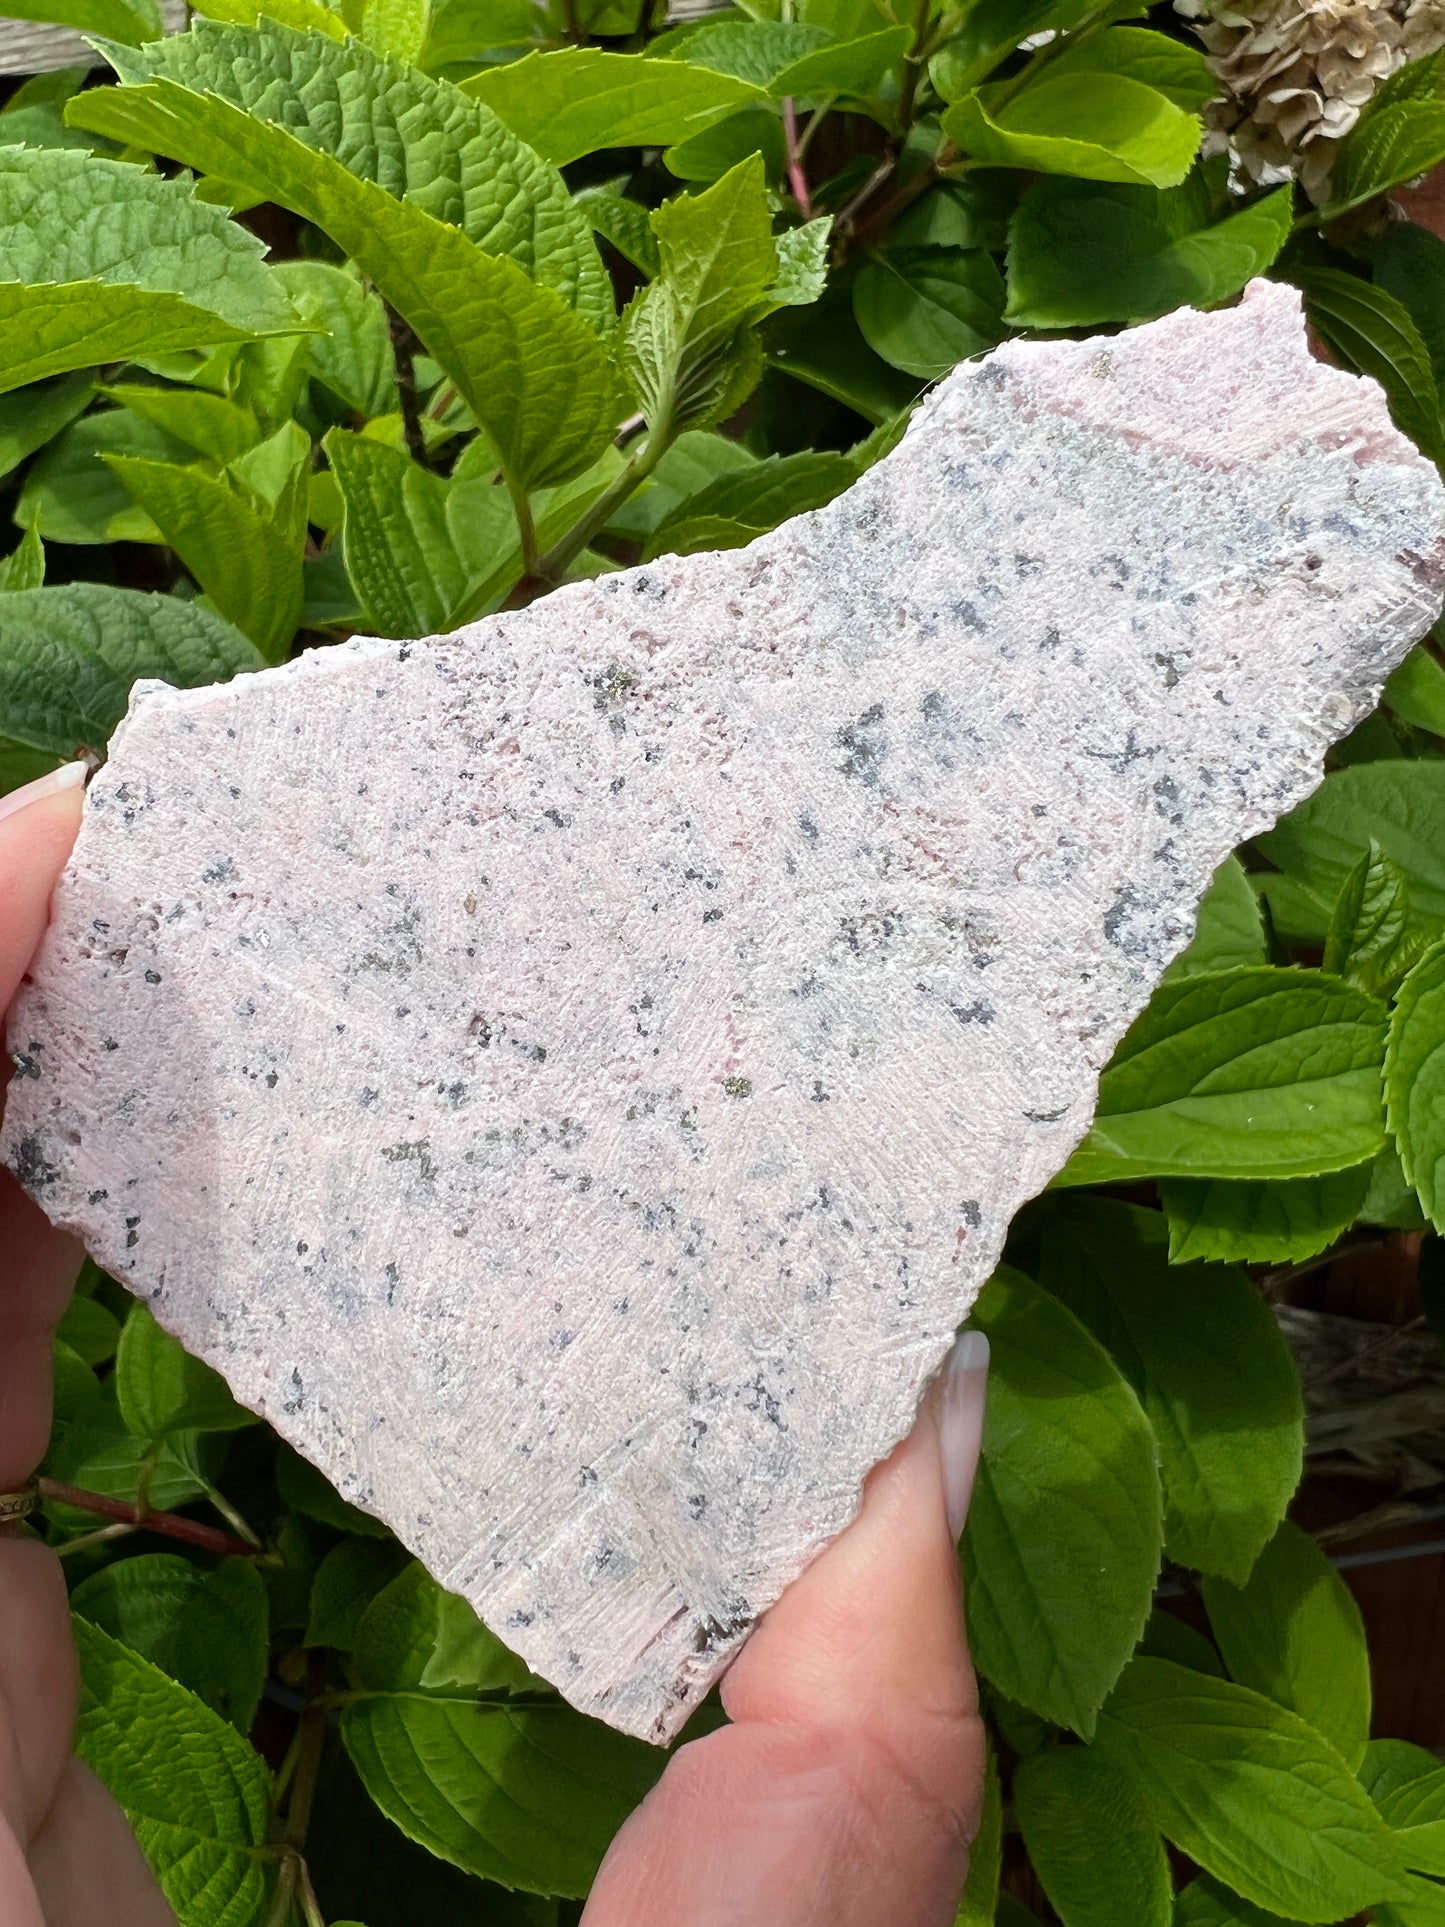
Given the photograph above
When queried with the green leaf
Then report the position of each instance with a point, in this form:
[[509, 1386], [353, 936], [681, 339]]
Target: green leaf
[[463, 30], [104, 262], [24, 567], [681, 335], [1407, 1784], [1383, 149], [985, 1855], [129, 21], [395, 28], [1061, 1549], [824, 347], [72, 652], [1249, 1791], [307, 1491], [1228, 932], [380, 121], [1112, 129], [926, 309], [208, 423], [1293, 1632], [1245, 1073], [858, 67], [346, 1582], [1202, 1351], [1399, 805], [196, 1794], [1416, 691], [989, 30], [578, 99], [1082, 253], [1374, 334], [626, 225], [1206, 1903], [245, 552], [307, 16], [31, 416], [353, 358], [973, 212], [751, 132], [802, 264], [1370, 943], [70, 494], [1068, 1803], [1409, 264], [399, 551], [756, 52], [1166, 1637], [1178, 71], [1390, 1199], [743, 502], [162, 1389], [472, 1756], [1415, 1079], [90, 1329], [207, 1630], [693, 462], [534, 373], [1261, 1220]]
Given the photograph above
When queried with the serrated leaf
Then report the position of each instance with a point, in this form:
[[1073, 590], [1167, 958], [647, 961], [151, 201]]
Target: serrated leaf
[[396, 29], [24, 567], [1240, 1074], [400, 556], [1250, 1792], [1207, 1903], [989, 30], [683, 351], [124, 263], [1261, 1220], [1216, 1379], [72, 652], [1175, 69], [535, 374], [1370, 943], [383, 122], [162, 1389], [1293, 1632], [1399, 805], [1227, 932], [70, 493], [472, 1756], [750, 132], [979, 1900], [1094, 1849], [193, 1790], [752, 51], [306, 16], [1407, 1784], [245, 552], [802, 264], [1415, 1079], [1374, 334], [206, 1630], [346, 1582], [1416, 691], [30, 417], [208, 423], [1062, 1545], [1409, 263], [926, 309], [626, 225], [1112, 129], [859, 68], [463, 30], [576, 100], [1390, 1199], [750, 500], [1384, 149], [1081, 253], [353, 357]]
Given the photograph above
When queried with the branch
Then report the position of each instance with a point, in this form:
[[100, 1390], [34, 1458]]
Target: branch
[[171, 1524]]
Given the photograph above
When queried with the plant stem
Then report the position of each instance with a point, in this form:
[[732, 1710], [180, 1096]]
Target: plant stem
[[1045, 56], [280, 1913], [526, 530], [97, 1538], [131, 1517], [549, 567], [913, 62], [401, 341], [797, 178]]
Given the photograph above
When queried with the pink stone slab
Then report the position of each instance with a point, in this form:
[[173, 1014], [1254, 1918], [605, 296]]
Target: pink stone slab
[[573, 1076]]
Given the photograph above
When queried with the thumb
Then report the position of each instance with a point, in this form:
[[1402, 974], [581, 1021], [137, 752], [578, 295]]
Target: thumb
[[37, 827]]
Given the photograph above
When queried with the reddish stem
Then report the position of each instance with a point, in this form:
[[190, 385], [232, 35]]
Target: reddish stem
[[211, 1538], [797, 179]]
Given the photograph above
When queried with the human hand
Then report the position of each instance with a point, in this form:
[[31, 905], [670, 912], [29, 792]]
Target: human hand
[[846, 1792], [67, 1856]]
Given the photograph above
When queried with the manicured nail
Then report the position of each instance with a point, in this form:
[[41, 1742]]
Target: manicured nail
[[960, 1423], [69, 776]]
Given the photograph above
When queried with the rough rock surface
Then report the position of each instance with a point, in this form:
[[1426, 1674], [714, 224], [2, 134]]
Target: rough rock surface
[[573, 1076]]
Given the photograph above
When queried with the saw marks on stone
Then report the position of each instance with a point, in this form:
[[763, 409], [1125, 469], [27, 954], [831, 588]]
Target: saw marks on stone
[[573, 1076]]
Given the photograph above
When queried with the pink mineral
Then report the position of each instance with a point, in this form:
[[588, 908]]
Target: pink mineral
[[574, 1075]]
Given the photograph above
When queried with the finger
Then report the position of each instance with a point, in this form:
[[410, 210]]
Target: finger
[[38, 1683], [847, 1789], [37, 828], [19, 1903], [87, 1865]]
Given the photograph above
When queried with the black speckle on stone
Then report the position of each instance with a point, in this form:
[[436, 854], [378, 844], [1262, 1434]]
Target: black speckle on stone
[[978, 1012], [697, 1504], [96, 1197], [616, 785], [971, 1214], [26, 1062], [556, 817], [738, 1086], [864, 746], [519, 1619], [153, 976], [712, 916], [222, 870], [1047, 1117], [392, 1274], [31, 1166], [271, 1079], [966, 615], [809, 828]]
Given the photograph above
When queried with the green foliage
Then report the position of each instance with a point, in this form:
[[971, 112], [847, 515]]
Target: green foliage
[[461, 375]]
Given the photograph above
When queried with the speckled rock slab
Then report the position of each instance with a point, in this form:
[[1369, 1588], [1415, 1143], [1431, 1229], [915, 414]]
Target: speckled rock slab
[[572, 1077]]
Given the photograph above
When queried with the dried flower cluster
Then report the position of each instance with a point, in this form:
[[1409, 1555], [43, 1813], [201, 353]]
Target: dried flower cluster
[[1296, 74]]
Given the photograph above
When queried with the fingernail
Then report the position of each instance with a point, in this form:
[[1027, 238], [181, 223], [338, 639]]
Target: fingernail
[[68, 777], [960, 1423]]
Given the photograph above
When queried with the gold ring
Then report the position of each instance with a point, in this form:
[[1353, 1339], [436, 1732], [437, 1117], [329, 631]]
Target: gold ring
[[19, 1505]]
